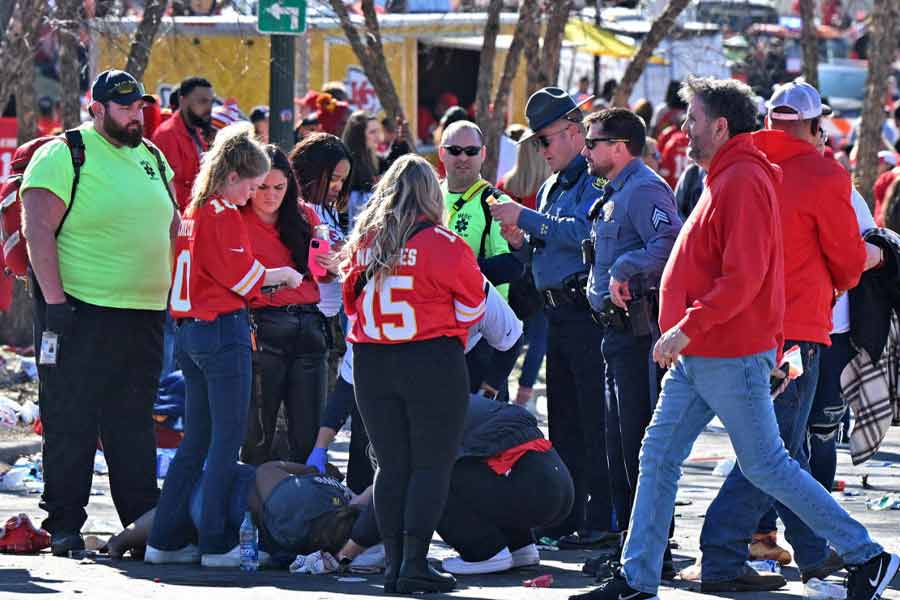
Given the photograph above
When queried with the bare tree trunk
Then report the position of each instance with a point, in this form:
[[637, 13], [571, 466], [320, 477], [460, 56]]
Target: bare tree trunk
[[6, 12], [492, 122], [882, 49], [31, 14], [658, 32], [9, 45], [68, 17], [533, 60], [553, 39], [142, 43], [371, 55], [485, 82], [810, 42]]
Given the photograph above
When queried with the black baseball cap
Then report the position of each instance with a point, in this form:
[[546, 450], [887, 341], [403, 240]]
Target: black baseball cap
[[119, 87]]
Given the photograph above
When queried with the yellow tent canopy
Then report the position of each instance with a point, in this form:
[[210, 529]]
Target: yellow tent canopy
[[600, 42]]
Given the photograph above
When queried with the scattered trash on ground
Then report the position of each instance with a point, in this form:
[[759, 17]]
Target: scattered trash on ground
[[26, 475], [100, 466], [543, 581], [764, 566], [816, 589], [886, 502], [20, 536], [724, 467], [317, 563]]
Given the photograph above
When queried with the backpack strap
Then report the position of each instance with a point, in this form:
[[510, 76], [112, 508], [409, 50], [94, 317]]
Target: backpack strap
[[161, 167], [363, 278], [76, 149], [487, 192]]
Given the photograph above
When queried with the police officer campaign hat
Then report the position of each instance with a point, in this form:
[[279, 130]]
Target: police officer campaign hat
[[119, 87], [547, 105]]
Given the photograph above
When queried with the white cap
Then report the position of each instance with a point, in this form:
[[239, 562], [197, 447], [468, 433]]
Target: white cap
[[803, 100], [886, 156]]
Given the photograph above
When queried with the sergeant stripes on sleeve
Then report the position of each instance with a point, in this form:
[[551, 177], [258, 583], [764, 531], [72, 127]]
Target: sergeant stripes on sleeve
[[249, 280]]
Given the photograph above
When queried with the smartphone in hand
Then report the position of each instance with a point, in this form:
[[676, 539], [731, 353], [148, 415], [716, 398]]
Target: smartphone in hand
[[316, 247], [775, 382]]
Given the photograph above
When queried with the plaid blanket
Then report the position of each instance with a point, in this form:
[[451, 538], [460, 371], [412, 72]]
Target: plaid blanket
[[871, 390]]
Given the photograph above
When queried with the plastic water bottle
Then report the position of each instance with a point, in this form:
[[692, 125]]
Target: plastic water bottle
[[249, 540]]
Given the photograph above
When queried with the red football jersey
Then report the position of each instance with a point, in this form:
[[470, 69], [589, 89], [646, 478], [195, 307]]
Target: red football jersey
[[215, 271], [674, 158], [436, 290]]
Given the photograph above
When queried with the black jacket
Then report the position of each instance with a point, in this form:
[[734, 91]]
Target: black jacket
[[493, 427], [876, 296]]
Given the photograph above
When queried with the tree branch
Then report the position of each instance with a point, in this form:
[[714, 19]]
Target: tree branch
[[658, 31], [810, 42], [485, 81], [144, 35]]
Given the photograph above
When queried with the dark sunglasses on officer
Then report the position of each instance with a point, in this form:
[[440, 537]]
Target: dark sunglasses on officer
[[457, 150]]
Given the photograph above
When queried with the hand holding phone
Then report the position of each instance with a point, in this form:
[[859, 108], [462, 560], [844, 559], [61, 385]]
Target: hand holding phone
[[775, 382], [317, 247]]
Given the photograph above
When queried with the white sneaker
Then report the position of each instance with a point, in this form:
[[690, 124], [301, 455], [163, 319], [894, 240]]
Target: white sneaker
[[231, 559], [502, 561], [526, 556], [188, 555], [370, 561]]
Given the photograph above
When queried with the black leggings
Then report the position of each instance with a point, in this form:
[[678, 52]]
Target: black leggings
[[288, 367], [413, 399], [487, 512]]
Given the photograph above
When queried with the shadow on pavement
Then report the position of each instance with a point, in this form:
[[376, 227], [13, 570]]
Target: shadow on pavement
[[20, 581]]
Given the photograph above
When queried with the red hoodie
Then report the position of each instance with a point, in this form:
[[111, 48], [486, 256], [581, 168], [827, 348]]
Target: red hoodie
[[723, 284], [823, 250]]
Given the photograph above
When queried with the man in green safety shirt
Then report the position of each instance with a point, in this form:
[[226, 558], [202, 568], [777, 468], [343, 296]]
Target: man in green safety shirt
[[468, 198]]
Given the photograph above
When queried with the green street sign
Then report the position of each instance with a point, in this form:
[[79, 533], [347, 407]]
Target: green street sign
[[285, 17]]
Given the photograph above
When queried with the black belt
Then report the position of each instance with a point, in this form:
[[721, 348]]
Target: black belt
[[572, 292], [558, 297], [290, 308], [196, 320]]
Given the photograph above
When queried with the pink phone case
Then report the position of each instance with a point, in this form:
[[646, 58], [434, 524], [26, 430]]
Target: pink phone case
[[317, 247]]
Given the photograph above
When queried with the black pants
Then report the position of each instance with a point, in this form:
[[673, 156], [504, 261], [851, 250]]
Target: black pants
[[413, 399], [105, 383], [342, 404], [289, 367], [486, 512], [629, 407], [490, 366], [576, 400]]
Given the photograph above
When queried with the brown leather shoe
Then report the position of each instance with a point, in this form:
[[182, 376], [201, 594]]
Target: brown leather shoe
[[748, 581], [765, 547]]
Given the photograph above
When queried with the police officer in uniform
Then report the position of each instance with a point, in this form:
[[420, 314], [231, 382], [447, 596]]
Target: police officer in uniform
[[634, 226], [575, 382]]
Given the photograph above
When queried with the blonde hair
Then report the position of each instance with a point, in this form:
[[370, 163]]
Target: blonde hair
[[529, 172], [235, 150], [407, 191]]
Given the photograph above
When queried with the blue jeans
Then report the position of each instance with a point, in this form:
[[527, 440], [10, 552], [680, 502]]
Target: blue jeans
[[215, 359], [735, 512], [536, 337], [169, 363], [737, 391]]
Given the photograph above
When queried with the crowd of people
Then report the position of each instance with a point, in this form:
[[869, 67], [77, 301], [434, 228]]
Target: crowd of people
[[345, 278]]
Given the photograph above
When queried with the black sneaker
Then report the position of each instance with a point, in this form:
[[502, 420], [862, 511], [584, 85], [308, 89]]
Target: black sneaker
[[749, 580], [832, 565], [868, 580], [615, 588], [590, 539], [63, 543]]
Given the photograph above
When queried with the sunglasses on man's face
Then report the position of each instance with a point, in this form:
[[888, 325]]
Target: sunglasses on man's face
[[591, 143], [457, 150]]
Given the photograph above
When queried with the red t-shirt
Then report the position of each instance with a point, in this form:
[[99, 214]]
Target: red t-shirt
[[673, 160], [527, 201], [437, 290], [215, 270], [880, 189], [272, 253]]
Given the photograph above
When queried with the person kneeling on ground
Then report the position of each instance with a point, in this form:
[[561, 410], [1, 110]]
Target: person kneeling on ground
[[297, 510], [507, 480]]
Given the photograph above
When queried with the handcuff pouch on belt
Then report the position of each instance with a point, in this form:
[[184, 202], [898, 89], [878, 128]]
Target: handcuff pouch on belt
[[638, 320]]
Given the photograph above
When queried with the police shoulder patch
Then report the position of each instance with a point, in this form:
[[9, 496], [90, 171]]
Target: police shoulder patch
[[658, 217]]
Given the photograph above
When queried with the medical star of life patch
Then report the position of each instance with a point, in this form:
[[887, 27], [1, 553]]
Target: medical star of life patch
[[599, 182], [658, 217]]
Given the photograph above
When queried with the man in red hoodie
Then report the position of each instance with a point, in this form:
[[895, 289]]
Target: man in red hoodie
[[722, 311], [823, 254]]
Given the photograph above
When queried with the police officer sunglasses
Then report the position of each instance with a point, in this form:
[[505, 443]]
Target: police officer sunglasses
[[591, 143], [457, 150]]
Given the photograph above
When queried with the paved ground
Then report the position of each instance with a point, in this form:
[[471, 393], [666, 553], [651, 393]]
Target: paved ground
[[27, 577]]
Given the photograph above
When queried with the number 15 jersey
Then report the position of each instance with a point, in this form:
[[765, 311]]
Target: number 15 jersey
[[436, 290], [215, 271]]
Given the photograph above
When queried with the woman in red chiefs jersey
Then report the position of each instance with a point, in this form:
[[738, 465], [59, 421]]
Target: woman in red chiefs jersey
[[412, 290], [216, 275], [289, 362]]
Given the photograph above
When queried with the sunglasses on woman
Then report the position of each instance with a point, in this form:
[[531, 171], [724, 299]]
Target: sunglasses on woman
[[457, 150]]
